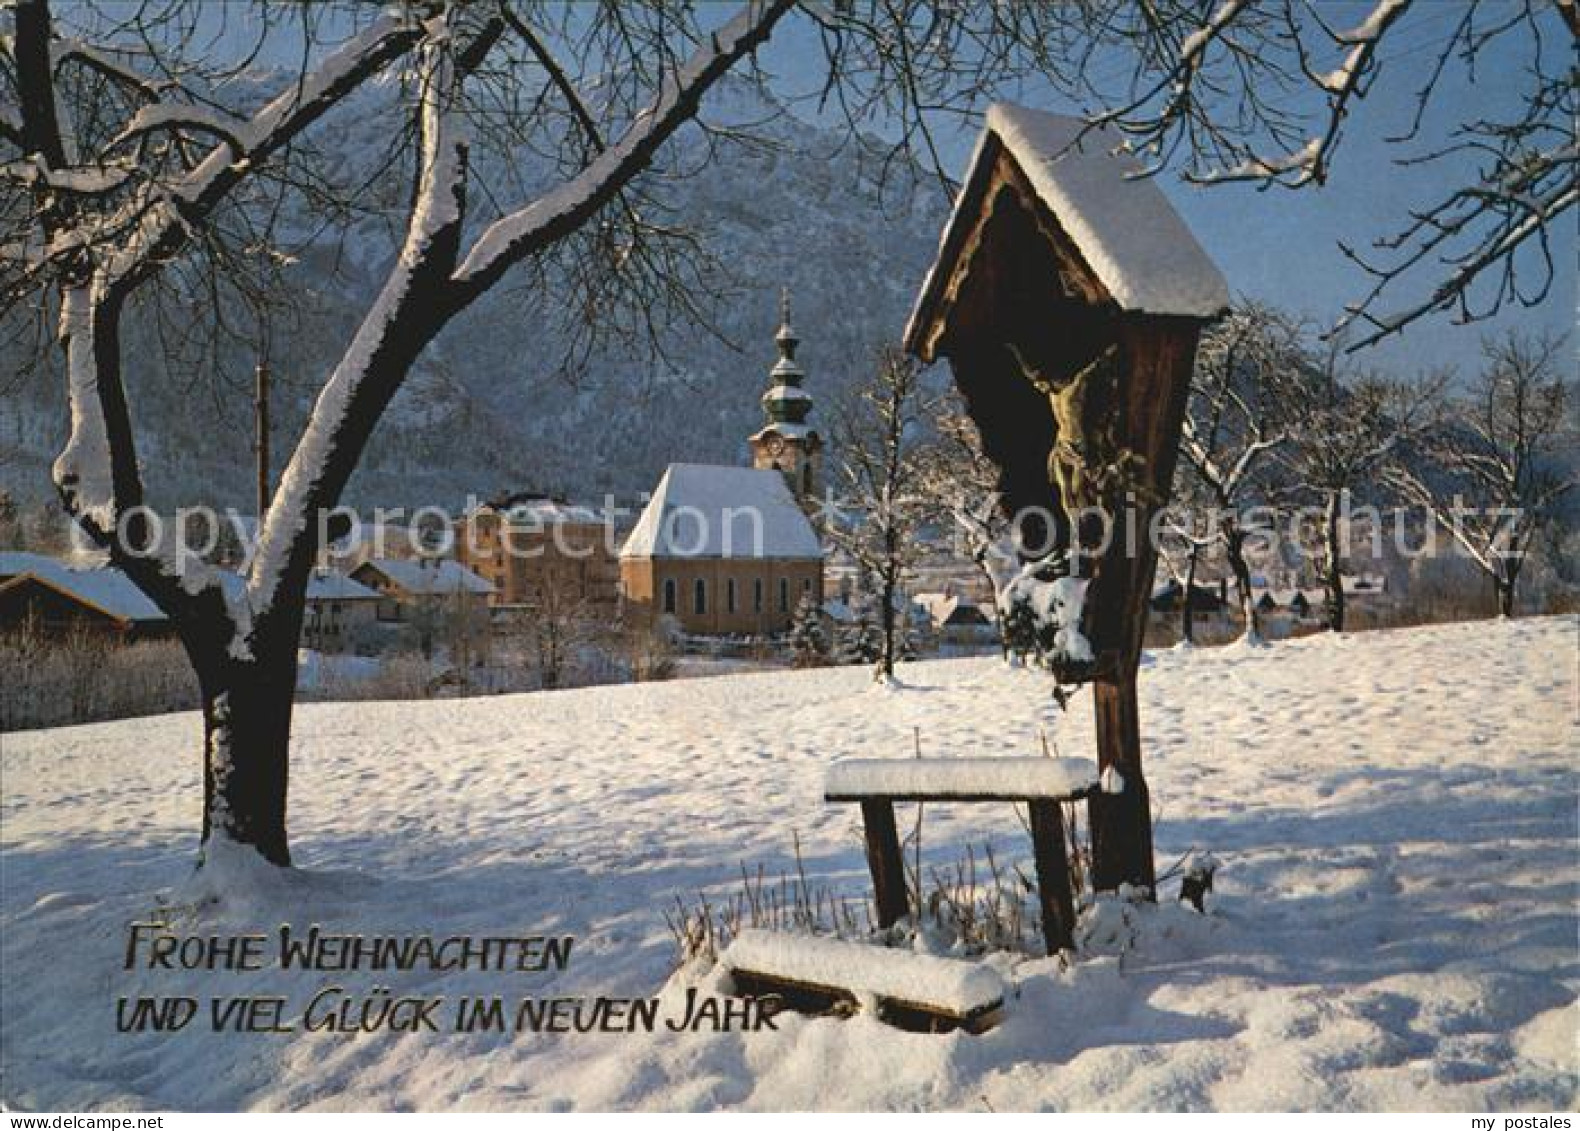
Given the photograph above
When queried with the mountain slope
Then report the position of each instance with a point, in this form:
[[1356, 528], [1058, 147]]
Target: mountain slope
[[485, 408]]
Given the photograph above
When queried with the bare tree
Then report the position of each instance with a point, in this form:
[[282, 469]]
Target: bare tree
[[142, 161], [1343, 432], [1491, 471], [1234, 424], [1261, 92], [878, 442], [559, 625], [110, 207], [961, 483], [1187, 535]]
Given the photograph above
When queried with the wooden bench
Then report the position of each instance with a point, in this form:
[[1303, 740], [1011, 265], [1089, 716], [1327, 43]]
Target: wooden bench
[[1042, 783], [912, 991]]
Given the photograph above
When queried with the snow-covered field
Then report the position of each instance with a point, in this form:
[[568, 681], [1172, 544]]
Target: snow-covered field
[[1395, 923]]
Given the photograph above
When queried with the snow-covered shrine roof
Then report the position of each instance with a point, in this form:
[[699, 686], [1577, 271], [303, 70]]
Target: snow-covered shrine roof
[[1121, 224], [707, 511]]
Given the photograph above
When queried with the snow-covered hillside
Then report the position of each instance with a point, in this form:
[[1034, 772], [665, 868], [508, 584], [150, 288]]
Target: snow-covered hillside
[[1394, 926]]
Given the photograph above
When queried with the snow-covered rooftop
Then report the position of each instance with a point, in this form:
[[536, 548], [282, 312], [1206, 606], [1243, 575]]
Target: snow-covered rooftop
[[105, 588], [431, 577], [332, 585], [942, 606], [706, 511], [549, 512], [1122, 224]]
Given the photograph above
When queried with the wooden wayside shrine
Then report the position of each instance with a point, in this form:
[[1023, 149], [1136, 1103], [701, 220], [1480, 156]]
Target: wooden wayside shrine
[[1068, 297]]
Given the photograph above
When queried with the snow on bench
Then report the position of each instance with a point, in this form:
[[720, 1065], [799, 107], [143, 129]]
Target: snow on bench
[[961, 779], [948, 989]]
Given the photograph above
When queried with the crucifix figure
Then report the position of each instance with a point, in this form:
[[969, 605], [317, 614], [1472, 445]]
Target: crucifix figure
[[1080, 464]]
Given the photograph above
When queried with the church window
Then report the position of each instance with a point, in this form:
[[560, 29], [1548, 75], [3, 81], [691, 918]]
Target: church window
[[729, 595], [784, 595], [669, 595], [699, 596]]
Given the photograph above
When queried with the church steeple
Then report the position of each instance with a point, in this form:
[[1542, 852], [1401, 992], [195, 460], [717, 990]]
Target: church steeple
[[785, 401], [786, 442]]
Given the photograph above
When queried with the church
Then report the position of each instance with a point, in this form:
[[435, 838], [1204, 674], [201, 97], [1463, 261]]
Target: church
[[730, 550]]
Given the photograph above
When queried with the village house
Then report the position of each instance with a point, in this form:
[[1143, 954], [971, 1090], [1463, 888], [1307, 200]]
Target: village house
[[536, 550], [407, 586], [1170, 597], [339, 614], [1295, 604], [47, 595], [957, 619], [59, 599]]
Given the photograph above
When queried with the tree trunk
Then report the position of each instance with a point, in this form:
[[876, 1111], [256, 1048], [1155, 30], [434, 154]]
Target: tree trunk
[[1503, 584], [1234, 550], [1335, 577], [1187, 616], [886, 662], [247, 707]]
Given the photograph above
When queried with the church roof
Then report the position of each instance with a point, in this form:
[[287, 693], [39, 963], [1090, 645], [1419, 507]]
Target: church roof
[[707, 511], [1122, 225]]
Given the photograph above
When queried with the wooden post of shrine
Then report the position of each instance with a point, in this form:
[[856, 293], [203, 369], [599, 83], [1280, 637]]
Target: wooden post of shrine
[[1068, 297]]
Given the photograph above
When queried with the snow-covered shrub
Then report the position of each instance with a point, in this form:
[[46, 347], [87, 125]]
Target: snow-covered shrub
[[860, 640], [702, 930], [649, 650], [1041, 609], [81, 677], [808, 639]]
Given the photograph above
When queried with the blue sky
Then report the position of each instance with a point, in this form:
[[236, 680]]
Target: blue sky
[[1282, 246]]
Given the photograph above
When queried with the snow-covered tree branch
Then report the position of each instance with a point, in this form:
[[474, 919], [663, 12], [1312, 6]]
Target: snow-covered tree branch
[[1344, 430], [1490, 470], [878, 445], [1264, 93], [1235, 420]]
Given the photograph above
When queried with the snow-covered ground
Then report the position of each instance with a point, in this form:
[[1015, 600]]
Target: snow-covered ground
[[1395, 922]]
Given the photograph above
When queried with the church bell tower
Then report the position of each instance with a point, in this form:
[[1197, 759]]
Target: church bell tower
[[786, 442]]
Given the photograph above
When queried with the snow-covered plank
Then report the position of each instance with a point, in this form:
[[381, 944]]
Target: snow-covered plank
[[949, 986], [987, 779]]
